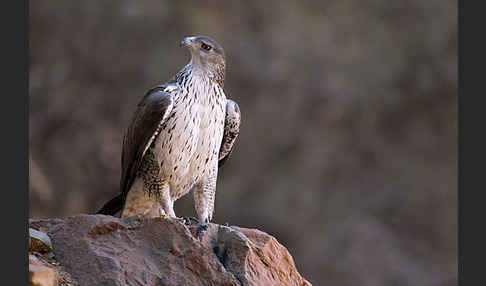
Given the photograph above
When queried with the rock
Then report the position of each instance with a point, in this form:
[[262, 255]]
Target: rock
[[104, 250], [40, 275], [39, 241], [45, 271], [256, 258]]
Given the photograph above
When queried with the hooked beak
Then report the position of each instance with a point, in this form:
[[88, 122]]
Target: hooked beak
[[188, 42]]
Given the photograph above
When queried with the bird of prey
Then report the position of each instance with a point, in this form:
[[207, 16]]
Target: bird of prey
[[181, 132]]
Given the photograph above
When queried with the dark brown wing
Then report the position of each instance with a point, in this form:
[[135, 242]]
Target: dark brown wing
[[231, 130], [151, 112]]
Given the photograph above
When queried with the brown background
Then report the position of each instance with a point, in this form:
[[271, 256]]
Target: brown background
[[347, 152]]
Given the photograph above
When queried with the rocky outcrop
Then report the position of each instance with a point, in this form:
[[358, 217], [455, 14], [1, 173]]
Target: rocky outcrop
[[104, 250]]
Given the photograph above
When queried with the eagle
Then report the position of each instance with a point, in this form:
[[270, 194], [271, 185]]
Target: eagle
[[182, 131]]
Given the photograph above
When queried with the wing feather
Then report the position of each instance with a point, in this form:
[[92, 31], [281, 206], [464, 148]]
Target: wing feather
[[231, 130], [151, 113]]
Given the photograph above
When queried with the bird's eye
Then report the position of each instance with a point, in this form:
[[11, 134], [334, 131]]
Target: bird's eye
[[206, 47]]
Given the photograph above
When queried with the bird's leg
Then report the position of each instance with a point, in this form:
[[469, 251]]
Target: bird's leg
[[166, 202], [204, 201]]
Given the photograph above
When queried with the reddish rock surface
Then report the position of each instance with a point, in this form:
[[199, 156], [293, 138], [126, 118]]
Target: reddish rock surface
[[41, 275], [44, 271], [104, 250]]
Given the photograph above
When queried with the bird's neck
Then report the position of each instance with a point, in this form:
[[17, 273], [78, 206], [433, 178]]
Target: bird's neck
[[194, 79], [214, 73]]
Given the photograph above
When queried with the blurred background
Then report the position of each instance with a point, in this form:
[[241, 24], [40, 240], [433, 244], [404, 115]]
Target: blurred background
[[347, 151]]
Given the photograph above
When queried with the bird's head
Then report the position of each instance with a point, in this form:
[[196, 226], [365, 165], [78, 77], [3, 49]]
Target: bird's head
[[207, 55]]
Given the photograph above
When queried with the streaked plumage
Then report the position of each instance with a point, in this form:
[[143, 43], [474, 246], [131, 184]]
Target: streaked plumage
[[179, 135]]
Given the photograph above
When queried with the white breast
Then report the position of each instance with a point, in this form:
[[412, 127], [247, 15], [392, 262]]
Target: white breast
[[190, 143]]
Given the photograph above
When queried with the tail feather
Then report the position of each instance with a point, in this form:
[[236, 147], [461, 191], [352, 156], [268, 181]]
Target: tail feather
[[113, 206]]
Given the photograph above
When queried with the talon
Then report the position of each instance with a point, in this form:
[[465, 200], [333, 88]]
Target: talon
[[201, 229], [188, 220], [162, 214], [180, 219]]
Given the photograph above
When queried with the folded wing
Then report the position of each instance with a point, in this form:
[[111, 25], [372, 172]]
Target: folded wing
[[231, 130], [151, 113]]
